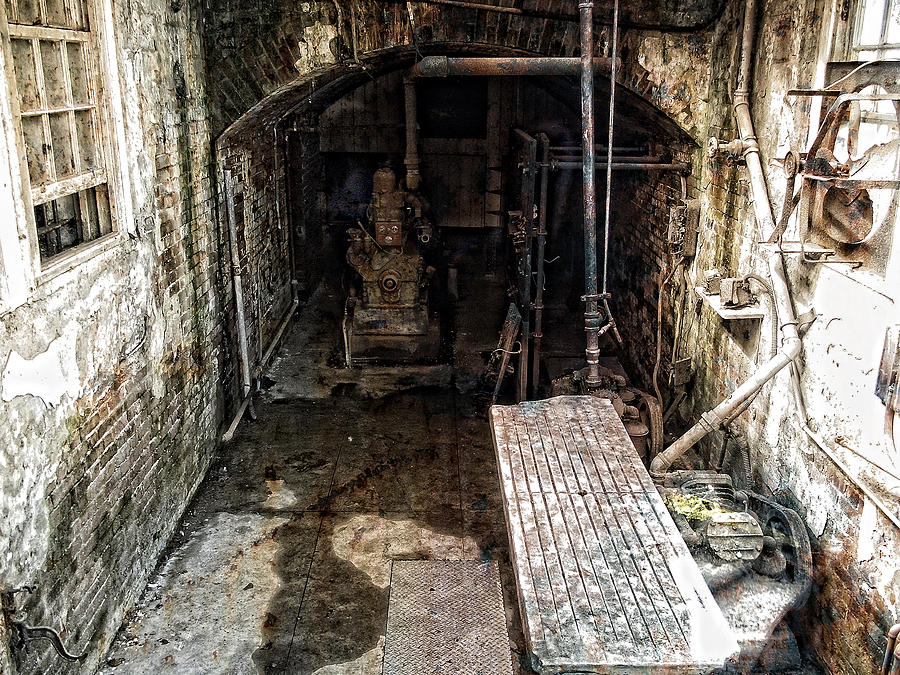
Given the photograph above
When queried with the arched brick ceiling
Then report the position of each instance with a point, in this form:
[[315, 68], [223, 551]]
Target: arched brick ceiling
[[269, 61]]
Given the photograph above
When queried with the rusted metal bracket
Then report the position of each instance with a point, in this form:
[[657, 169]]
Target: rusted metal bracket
[[22, 633]]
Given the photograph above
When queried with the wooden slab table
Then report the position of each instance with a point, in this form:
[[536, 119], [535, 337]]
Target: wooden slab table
[[606, 584]]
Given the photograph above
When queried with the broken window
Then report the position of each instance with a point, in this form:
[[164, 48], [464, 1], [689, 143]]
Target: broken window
[[876, 30], [56, 81]]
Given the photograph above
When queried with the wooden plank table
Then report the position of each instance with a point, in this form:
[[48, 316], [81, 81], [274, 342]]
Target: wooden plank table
[[605, 581]]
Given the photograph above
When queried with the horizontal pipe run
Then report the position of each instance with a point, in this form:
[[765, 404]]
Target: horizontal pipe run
[[575, 149], [445, 66], [626, 166], [640, 159]]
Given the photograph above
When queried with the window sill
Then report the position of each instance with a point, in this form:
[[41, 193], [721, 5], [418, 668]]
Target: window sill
[[64, 262]]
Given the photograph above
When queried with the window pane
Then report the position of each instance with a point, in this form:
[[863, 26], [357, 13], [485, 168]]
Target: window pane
[[29, 12], [87, 140], [26, 78], [72, 220], [36, 150], [870, 23], [62, 145], [80, 10], [78, 73], [57, 16], [54, 83], [893, 27]]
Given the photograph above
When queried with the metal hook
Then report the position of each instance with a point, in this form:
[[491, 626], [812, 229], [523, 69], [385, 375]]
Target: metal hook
[[22, 633]]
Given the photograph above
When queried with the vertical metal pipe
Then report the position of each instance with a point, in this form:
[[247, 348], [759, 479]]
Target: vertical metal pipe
[[539, 263], [243, 351], [529, 169], [790, 337], [412, 133], [609, 143], [591, 315]]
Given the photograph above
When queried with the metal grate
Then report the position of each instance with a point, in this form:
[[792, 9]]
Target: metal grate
[[446, 617]]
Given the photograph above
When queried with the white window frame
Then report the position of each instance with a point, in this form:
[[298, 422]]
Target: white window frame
[[21, 267]]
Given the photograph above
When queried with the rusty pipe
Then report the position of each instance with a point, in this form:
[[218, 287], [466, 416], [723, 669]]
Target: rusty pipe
[[566, 17], [891, 660], [445, 66], [626, 166], [412, 133], [538, 334], [591, 296], [790, 337]]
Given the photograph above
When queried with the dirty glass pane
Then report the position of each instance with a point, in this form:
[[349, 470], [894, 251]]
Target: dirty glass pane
[[26, 78], [36, 150], [62, 145], [55, 91], [10, 11], [29, 13], [59, 225], [870, 23], [72, 220], [84, 19], [78, 73], [57, 16], [87, 140], [893, 27]]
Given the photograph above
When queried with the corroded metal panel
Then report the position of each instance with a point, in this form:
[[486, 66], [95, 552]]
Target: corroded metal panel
[[605, 581], [446, 617]]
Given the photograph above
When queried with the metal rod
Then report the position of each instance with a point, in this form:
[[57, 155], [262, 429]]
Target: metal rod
[[609, 144], [445, 66], [529, 169], [626, 166], [591, 315], [537, 334], [624, 149], [576, 157]]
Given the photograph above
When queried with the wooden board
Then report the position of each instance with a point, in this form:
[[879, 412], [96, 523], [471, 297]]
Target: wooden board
[[605, 581]]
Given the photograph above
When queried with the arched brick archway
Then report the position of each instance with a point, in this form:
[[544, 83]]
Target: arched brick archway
[[261, 58]]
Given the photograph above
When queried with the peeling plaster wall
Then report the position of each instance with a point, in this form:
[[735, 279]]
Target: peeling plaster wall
[[856, 548], [110, 372]]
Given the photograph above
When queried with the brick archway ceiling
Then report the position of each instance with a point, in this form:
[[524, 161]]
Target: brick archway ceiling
[[258, 75]]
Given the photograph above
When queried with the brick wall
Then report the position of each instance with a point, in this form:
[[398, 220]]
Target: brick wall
[[95, 476]]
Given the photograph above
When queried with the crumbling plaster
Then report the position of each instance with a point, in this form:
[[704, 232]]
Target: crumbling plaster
[[110, 368], [857, 548]]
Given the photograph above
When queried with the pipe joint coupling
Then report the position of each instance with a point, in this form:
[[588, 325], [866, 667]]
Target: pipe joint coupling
[[710, 421]]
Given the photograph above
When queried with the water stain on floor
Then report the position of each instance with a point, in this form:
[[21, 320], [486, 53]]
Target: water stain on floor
[[283, 561]]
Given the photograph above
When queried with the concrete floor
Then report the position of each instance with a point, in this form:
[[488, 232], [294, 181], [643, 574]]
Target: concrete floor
[[282, 563]]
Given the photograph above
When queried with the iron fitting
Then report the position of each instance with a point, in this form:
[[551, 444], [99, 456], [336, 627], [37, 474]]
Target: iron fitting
[[710, 421]]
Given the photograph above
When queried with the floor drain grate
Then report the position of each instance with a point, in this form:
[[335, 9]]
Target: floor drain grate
[[446, 617]]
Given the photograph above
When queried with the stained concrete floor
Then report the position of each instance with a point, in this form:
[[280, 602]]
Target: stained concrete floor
[[283, 561]]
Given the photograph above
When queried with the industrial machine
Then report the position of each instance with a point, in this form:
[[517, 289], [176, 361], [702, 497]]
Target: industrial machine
[[387, 315]]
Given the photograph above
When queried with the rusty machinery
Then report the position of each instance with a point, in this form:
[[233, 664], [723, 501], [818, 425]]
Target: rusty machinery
[[387, 312]]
